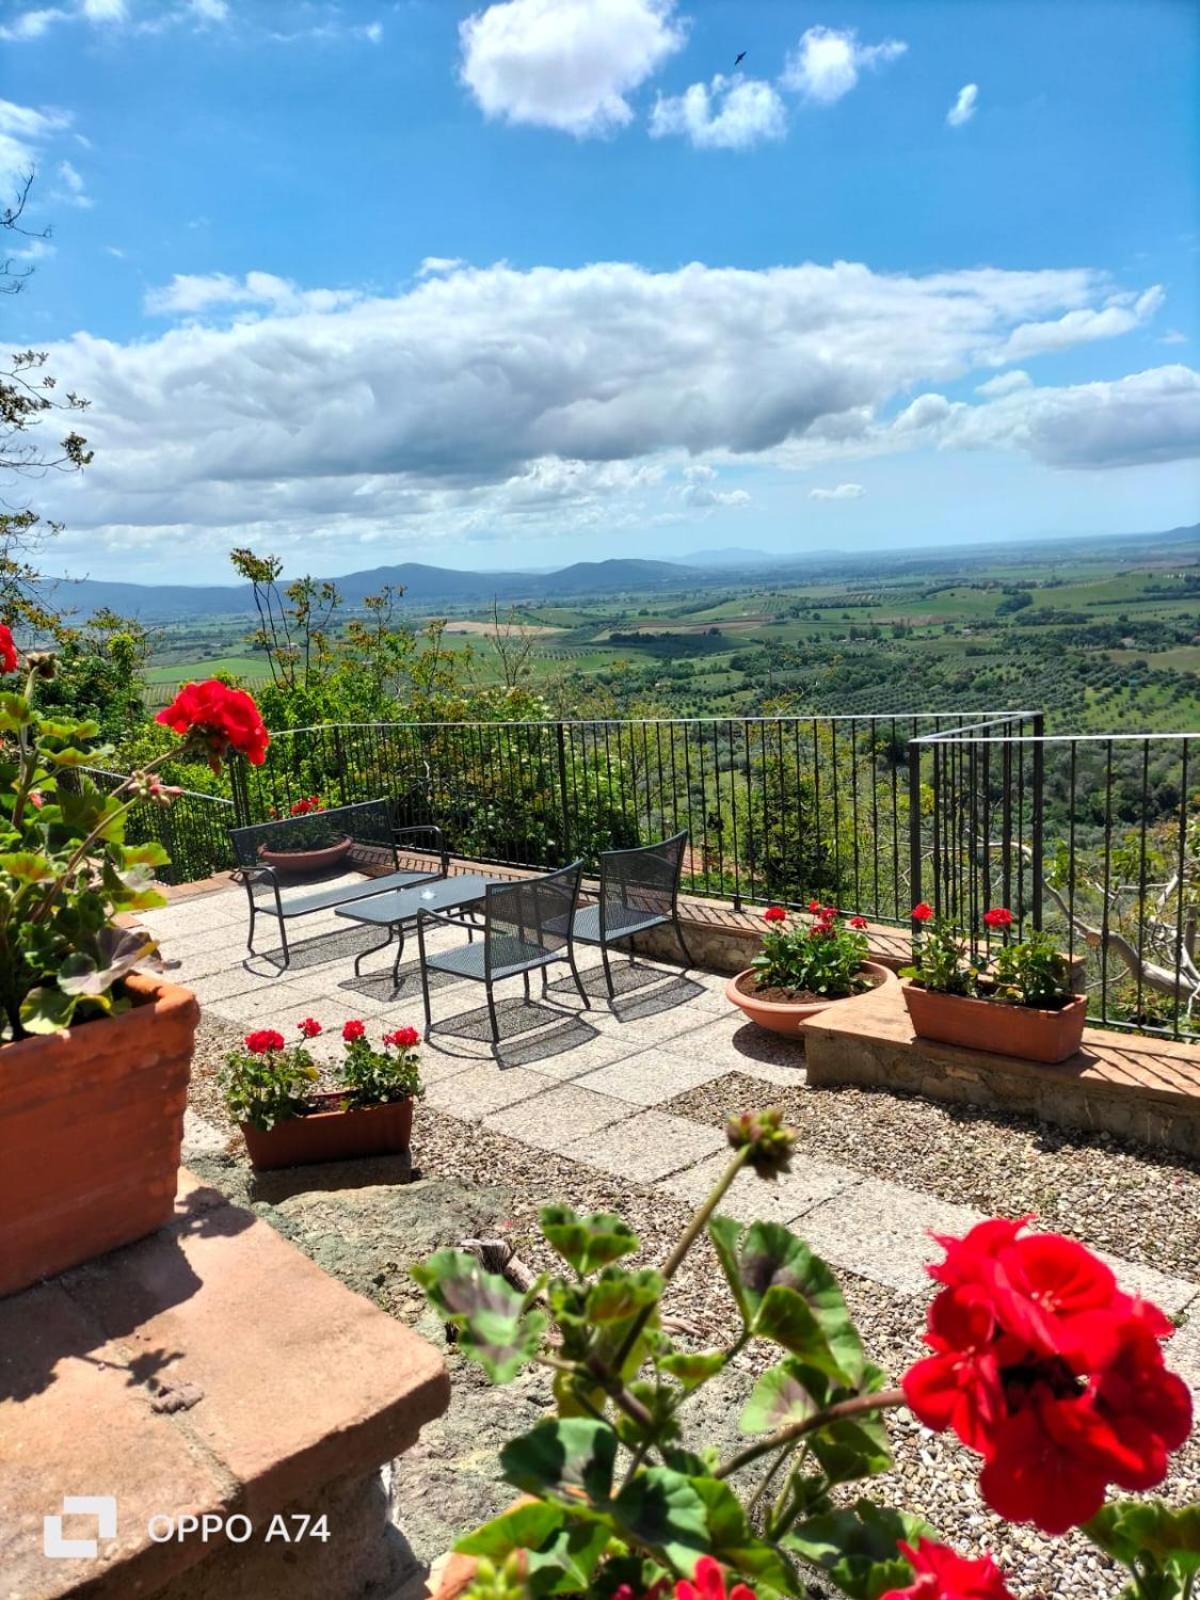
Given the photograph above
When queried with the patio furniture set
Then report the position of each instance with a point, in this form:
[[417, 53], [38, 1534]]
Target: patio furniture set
[[294, 866]]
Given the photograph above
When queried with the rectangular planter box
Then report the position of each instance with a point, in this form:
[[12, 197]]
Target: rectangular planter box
[[91, 1123], [1002, 1030], [332, 1134]]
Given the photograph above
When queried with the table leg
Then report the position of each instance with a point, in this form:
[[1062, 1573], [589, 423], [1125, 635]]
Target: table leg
[[399, 955], [374, 949]]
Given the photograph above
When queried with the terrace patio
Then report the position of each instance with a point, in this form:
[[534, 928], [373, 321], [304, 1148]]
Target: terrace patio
[[621, 1107]]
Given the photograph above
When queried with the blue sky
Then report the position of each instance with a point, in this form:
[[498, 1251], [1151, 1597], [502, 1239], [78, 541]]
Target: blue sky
[[550, 279]]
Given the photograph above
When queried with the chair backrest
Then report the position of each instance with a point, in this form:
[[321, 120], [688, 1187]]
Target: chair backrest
[[644, 881], [368, 826], [535, 912]]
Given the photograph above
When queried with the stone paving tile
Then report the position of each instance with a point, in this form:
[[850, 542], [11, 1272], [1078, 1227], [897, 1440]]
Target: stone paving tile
[[257, 1008], [1183, 1351], [881, 1231], [642, 1031], [738, 1046], [645, 1147], [475, 1093], [649, 1078], [750, 1198], [582, 1054], [229, 981], [556, 1118]]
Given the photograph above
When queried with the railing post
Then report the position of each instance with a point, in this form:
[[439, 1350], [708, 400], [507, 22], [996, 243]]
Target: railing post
[[564, 802], [1037, 815], [240, 791], [914, 824]]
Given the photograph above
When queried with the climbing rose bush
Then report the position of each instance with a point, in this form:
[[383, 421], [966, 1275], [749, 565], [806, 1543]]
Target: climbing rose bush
[[1045, 1368]]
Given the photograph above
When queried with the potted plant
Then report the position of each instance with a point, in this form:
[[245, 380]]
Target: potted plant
[[1012, 1000], [287, 1123], [94, 1052], [804, 967], [306, 847], [1051, 1375]]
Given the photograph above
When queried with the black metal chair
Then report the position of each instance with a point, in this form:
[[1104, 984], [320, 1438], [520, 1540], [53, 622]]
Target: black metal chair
[[526, 928], [639, 890]]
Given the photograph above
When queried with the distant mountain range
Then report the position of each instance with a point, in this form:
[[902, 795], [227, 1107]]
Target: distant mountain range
[[427, 586]]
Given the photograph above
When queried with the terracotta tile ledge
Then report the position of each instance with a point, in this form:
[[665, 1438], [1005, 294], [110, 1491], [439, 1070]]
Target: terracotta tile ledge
[[210, 1369]]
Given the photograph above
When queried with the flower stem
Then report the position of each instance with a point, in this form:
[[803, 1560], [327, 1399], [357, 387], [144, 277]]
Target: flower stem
[[883, 1400]]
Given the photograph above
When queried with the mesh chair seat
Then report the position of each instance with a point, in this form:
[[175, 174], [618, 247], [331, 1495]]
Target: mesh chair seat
[[508, 956], [620, 922]]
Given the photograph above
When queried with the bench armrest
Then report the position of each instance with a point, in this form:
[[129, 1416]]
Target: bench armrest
[[428, 830], [259, 874]]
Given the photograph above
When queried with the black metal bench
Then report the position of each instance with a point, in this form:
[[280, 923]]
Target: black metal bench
[[343, 840]]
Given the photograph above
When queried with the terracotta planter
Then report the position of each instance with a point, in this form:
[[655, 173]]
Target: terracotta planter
[[790, 1018], [332, 1134], [1003, 1030], [306, 863], [91, 1121]]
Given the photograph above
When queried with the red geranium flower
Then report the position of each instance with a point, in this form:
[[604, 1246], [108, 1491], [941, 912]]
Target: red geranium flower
[[310, 1027], [921, 912], [402, 1038], [709, 1584], [998, 917], [222, 718], [264, 1040], [775, 914], [1047, 1369], [939, 1573], [859, 922], [814, 906], [8, 650], [353, 1030]]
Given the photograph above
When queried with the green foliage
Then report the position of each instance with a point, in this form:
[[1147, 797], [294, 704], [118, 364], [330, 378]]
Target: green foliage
[[824, 957], [1032, 972], [263, 1087], [378, 1077], [1022, 972], [943, 960], [1160, 1546]]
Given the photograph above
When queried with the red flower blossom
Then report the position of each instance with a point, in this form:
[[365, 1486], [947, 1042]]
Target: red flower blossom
[[1047, 1369], [709, 1584], [354, 1029], [814, 906], [263, 1040], [998, 917], [8, 650], [310, 1027], [859, 922], [222, 718], [37, 799], [402, 1038], [775, 914], [941, 1574], [921, 912], [301, 808]]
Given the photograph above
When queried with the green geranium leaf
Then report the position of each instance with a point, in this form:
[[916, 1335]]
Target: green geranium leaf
[[857, 1550], [45, 1010], [792, 1392], [725, 1234], [494, 1327], [72, 756], [570, 1458], [119, 950], [27, 866], [733, 1542], [1147, 1531], [617, 1296], [525, 1527], [662, 1509], [587, 1243], [15, 712], [789, 1392], [149, 854], [692, 1367], [67, 728]]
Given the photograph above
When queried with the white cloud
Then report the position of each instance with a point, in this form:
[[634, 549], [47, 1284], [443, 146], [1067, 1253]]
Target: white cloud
[[31, 24], [433, 265], [730, 114], [827, 62], [1005, 383], [1121, 314], [104, 10], [479, 399], [566, 64], [71, 188], [964, 105], [1174, 336], [189, 293], [210, 10], [844, 491], [373, 32], [24, 130]]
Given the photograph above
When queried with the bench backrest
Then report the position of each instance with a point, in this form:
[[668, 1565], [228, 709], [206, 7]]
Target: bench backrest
[[368, 826]]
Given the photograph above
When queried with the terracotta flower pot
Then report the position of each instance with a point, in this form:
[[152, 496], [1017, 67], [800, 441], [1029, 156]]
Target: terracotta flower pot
[[332, 1134], [993, 1025], [306, 863], [789, 1018], [91, 1121]]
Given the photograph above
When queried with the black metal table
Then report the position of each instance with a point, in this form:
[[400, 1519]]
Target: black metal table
[[399, 908]]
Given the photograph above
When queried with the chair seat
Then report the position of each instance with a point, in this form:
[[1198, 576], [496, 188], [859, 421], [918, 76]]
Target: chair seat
[[622, 922], [509, 955], [299, 905]]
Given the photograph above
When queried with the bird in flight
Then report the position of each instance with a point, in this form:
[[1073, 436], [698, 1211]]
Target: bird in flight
[[741, 56]]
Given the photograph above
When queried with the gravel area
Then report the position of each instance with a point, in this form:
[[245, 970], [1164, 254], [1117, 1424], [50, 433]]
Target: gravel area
[[1136, 1202], [367, 1229]]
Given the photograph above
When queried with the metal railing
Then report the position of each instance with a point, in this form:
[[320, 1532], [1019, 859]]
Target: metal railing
[[1094, 837], [777, 808], [193, 829]]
